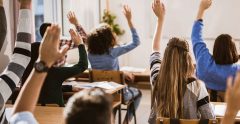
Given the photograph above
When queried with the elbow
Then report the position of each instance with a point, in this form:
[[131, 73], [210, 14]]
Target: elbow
[[85, 66]]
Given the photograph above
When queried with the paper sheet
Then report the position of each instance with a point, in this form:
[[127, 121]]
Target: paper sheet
[[219, 110], [132, 69]]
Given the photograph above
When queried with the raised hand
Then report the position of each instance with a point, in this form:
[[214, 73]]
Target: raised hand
[[158, 9], [72, 18], [127, 12], [205, 4], [49, 49], [77, 39], [1, 2]]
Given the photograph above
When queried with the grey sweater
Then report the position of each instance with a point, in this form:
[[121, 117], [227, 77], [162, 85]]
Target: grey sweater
[[196, 98]]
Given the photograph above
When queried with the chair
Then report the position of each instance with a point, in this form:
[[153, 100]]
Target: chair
[[185, 121], [115, 76]]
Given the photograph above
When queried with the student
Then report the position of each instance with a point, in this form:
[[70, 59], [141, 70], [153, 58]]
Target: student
[[103, 54], [89, 106], [213, 69], [52, 89], [20, 58], [3, 25], [176, 93], [232, 99]]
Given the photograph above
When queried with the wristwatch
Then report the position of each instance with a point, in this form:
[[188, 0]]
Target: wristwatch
[[41, 67]]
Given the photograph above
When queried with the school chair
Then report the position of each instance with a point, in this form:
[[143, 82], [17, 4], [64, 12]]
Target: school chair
[[161, 120], [117, 77]]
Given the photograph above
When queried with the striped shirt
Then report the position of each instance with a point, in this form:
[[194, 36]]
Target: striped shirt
[[19, 61], [196, 98]]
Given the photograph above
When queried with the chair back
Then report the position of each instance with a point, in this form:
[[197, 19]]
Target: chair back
[[102, 75], [185, 121]]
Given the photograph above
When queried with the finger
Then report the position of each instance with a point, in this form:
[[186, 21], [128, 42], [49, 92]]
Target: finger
[[63, 51]]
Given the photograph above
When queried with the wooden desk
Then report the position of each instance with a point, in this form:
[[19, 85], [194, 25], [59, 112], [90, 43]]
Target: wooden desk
[[48, 115]]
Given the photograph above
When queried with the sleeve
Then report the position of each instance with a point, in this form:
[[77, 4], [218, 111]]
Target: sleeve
[[199, 46], [81, 66], [203, 103], [3, 26], [19, 60], [155, 62], [118, 51], [23, 118], [67, 88], [82, 32]]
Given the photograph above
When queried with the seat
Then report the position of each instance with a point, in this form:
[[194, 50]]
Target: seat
[[115, 76], [185, 121]]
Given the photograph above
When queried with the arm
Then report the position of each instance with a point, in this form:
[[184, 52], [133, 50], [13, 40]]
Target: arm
[[49, 53], [118, 51], [199, 46], [232, 99], [20, 58], [81, 66], [159, 11], [3, 25], [155, 63], [203, 102]]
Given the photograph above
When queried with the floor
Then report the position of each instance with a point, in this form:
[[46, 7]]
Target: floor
[[144, 109]]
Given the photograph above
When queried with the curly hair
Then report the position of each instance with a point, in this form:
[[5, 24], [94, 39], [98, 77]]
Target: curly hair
[[101, 39]]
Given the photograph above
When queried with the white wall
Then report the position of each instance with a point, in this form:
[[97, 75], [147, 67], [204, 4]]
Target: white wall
[[180, 15], [8, 44]]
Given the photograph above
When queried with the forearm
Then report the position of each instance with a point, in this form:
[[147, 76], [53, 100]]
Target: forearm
[[82, 32], [83, 62], [157, 36], [200, 14], [130, 24], [29, 94]]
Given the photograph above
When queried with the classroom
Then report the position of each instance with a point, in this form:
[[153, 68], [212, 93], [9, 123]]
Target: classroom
[[119, 62]]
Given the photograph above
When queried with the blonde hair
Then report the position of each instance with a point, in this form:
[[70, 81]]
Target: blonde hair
[[170, 85]]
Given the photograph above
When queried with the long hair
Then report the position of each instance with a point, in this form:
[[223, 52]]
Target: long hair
[[172, 80], [224, 50]]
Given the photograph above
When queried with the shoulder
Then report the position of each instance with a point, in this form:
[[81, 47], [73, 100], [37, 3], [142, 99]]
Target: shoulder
[[23, 117]]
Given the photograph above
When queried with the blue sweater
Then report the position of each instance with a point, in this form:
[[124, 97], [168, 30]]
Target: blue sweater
[[212, 74], [110, 61]]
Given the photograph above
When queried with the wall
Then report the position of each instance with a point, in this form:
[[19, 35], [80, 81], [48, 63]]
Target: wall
[[8, 44], [180, 15]]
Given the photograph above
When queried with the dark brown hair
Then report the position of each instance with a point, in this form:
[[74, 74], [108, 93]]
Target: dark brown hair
[[43, 28], [101, 40], [91, 106], [224, 50]]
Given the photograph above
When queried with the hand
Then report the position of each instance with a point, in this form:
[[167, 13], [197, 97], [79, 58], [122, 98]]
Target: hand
[[233, 94], [127, 12], [158, 9], [25, 4], [1, 2], [76, 38], [49, 49], [205, 4], [129, 77], [72, 18]]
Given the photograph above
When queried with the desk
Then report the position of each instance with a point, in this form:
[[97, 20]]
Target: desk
[[219, 117], [48, 115]]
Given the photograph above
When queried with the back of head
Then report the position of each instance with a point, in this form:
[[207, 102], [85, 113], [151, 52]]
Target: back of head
[[176, 68], [100, 40], [43, 28], [224, 50], [91, 106]]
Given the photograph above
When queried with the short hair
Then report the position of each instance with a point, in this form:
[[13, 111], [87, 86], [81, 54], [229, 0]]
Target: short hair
[[90, 106], [224, 50], [101, 39], [43, 28]]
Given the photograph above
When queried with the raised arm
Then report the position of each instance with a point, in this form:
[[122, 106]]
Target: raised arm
[[199, 46], [49, 53], [73, 20], [3, 25], [21, 55], [159, 11], [232, 99], [118, 51], [81, 66]]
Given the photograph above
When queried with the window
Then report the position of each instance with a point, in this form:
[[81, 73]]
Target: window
[[39, 17]]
